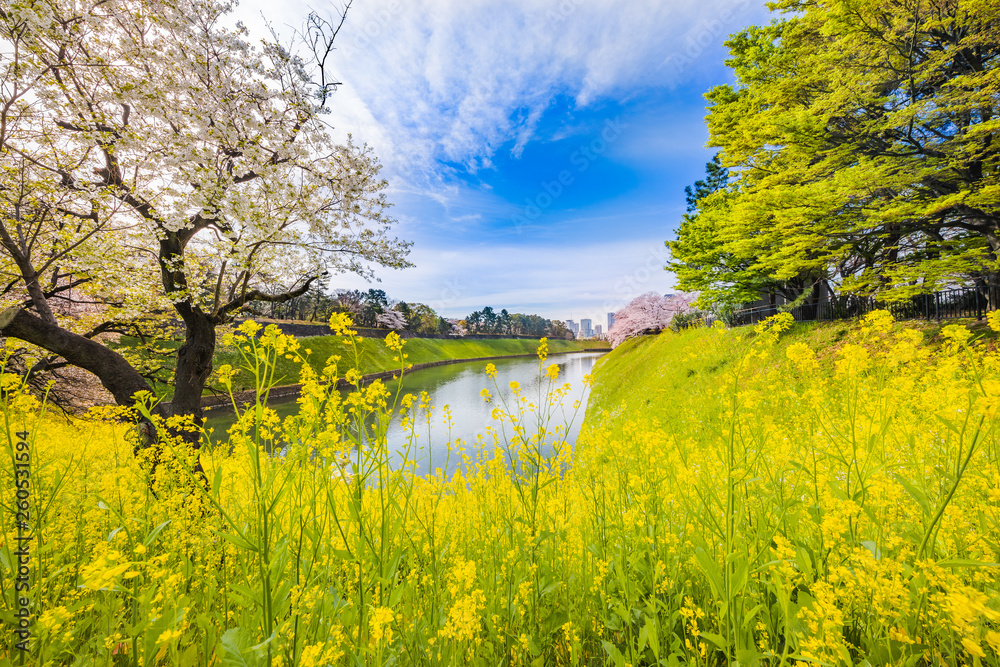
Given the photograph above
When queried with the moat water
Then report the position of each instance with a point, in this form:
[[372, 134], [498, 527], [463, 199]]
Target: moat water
[[458, 386]]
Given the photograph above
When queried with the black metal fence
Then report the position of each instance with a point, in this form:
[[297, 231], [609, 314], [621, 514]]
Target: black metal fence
[[947, 304]]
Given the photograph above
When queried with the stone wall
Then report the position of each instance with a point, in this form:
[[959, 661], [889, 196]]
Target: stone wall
[[300, 330]]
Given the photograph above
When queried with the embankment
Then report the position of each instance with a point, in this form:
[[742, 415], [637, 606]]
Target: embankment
[[370, 356], [664, 376]]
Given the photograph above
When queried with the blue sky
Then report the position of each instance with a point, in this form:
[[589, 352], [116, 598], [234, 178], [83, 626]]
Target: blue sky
[[537, 150]]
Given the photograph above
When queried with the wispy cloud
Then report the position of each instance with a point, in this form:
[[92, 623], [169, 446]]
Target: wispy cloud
[[453, 80]]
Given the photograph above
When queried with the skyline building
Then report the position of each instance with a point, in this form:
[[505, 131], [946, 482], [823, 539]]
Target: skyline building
[[585, 329], [611, 320]]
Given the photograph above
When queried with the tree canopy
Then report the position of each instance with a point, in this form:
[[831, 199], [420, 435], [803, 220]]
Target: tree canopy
[[856, 147], [154, 165], [488, 321]]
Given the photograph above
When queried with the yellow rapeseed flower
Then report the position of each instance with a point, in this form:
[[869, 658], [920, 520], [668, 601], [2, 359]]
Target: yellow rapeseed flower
[[168, 636], [394, 342], [381, 625], [341, 324]]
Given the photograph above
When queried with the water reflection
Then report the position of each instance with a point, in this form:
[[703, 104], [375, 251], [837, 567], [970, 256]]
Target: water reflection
[[458, 386]]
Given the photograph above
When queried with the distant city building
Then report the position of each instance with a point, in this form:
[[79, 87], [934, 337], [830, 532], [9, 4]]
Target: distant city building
[[597, 330], [585, 329], [611, 320], [573, 326]]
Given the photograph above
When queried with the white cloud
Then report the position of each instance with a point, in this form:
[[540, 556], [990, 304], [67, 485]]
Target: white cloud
[[430, 80]]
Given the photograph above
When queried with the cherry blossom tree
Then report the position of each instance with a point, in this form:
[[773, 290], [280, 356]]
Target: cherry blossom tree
[[649, 313], [391, 319], [456, 327], [155, 166]]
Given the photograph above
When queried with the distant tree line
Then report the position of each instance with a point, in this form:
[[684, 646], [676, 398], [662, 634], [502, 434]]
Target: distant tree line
[[372, 308], [489, 321]]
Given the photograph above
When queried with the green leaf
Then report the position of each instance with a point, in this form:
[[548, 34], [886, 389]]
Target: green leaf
[[712, 571], [236, 650], [236, 539], [216, 482], [249, 596], [613, 652], [748, 656], [264, 643], [653, 635], [153, 533], [963, 562], [915, 493], [548, 589], [190, 657], [718, 640], [751, 615], [873, 548]]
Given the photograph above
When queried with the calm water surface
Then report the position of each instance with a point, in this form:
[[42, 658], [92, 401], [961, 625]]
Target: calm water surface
[[458, 386]]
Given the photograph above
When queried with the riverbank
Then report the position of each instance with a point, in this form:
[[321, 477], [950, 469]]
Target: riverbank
[[371, 357], [224, 402], [669, 367]]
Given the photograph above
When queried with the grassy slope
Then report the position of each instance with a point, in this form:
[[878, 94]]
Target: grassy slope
[[374, 356], [661, 376]]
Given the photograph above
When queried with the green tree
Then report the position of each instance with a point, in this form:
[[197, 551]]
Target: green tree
[[489, 319], [558, 330], [716, 178], [504, 324], [404, 309], [704, 263], [374, 303], [860, 142], [425, 320]]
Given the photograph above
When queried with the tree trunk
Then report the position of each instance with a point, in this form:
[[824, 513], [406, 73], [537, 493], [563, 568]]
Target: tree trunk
[[194, 362], [114, 372]]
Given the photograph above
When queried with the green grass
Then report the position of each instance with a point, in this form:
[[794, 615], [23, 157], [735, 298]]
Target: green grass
[[657, 375], [661, 375], [375, 357]]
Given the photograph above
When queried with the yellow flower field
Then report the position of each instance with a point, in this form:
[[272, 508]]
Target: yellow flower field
[[780, 505]]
